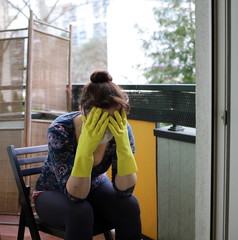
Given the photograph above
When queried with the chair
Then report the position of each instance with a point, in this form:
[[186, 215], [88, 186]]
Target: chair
[[23, 166]]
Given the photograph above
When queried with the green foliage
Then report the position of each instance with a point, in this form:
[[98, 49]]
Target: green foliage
[[171, 50]]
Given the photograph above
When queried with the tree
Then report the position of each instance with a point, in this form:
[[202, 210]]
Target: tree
[[171, 49], [88, 57]]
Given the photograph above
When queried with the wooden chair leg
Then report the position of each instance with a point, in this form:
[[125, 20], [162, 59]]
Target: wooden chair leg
[[108, 235]]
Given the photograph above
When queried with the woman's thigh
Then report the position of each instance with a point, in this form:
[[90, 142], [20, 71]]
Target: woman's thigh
[[55, 208], [52, 207]]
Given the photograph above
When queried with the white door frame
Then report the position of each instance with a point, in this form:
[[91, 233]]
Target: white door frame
[[220, 134], [225, 119]]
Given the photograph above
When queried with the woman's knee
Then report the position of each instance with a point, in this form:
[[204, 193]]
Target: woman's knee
[[80, 212], [79, 221], [127, 221], [128, 206]]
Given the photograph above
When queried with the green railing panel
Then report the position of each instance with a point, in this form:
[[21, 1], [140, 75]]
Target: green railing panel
[[173, 104]]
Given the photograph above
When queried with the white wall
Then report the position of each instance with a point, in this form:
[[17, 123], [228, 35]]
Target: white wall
[[203, 119]]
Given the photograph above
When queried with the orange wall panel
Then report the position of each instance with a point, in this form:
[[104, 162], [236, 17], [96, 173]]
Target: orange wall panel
[[145, 189]]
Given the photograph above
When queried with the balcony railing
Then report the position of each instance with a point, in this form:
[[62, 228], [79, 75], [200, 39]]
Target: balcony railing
[[173, 104]]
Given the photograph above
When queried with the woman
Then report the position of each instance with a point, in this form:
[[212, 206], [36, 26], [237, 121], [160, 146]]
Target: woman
[[73, 190]]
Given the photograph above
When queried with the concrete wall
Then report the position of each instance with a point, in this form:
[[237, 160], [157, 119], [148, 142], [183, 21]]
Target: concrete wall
[[176, 189], [176, 183]]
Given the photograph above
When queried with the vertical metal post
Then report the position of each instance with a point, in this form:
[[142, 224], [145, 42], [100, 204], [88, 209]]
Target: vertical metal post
[[28, 100], [69, 92]]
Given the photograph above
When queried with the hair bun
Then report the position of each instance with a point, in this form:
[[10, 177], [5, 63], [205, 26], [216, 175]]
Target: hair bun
[[100, 76]]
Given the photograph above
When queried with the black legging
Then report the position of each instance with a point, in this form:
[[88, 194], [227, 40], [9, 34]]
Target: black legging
[[103, 206]]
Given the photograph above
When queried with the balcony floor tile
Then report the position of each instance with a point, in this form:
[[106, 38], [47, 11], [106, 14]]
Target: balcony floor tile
[[9, 232]]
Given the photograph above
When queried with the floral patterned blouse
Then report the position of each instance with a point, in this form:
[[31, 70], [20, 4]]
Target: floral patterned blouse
[[62, 148]]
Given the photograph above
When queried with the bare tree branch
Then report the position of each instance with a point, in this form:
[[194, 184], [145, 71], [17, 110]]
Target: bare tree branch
[[20, 10], [61, 14], [71, 8], [51, 10], [28, 4]]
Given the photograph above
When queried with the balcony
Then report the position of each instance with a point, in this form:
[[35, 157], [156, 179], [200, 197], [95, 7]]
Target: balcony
[[163, 121]]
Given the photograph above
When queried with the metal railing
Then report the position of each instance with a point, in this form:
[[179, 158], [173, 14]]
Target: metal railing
[[173, 104]]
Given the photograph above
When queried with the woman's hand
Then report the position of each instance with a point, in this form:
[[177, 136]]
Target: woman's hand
[[126, 163], [93, 129]]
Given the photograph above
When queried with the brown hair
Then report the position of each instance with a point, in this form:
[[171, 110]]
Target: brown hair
[[102, 92]]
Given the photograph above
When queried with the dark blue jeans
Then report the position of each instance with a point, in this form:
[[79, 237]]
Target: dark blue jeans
[[103, 206]]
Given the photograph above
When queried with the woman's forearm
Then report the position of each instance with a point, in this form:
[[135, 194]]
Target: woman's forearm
[[78, 187], [125, 182]]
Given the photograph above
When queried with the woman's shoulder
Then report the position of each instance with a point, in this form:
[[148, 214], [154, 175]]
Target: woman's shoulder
[[63, 125], [130, 132], [66, 117], [61, 132], [131, 137]]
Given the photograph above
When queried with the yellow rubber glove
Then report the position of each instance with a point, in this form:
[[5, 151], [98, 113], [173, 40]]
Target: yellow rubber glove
[[126, 163], [93, 129]]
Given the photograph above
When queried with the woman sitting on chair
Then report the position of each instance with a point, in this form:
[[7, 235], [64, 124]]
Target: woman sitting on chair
[[73, 190]]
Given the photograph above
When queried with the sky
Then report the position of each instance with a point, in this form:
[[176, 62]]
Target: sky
[[124, 44]]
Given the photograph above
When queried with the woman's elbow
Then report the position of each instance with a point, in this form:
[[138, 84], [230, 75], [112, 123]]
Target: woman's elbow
[[125, 182], [78, 187]]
